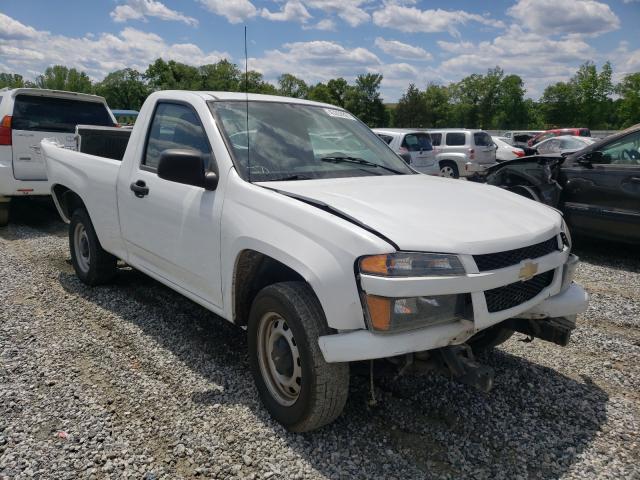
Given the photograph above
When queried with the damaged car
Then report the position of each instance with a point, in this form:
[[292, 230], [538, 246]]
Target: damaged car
[[597, 188]]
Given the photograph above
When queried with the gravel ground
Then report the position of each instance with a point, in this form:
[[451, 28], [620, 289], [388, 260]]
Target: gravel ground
[[134, 381]]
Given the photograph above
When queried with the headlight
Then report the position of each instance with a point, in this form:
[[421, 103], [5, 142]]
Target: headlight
[[566, 235], [408, 264], [400, 314]]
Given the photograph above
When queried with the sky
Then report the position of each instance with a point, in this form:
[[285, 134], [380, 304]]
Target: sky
[[408, 41]]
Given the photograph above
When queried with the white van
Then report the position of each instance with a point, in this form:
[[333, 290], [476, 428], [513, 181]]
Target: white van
[[27, 115]]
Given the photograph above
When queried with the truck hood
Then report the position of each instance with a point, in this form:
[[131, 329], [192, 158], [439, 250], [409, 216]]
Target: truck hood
[[424, 213]]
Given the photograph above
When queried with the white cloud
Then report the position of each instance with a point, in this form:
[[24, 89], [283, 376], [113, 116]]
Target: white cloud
[[235, 11], [96, 54], [582, 17], [350, 11], [325, 24], [559, 62], [402, 50], [414, 20], [293, 10], [315, 61], [141, 9], [11, 28]]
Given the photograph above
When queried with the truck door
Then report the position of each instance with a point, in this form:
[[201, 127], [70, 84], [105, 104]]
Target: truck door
[[604, 199], [174, 229], [38, 117]]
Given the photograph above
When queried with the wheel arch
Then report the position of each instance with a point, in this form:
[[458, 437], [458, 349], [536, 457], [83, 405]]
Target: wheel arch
[[253, 271], [66, 201]]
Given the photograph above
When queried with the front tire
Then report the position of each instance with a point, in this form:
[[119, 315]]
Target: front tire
[[299, 389], [93, 265]]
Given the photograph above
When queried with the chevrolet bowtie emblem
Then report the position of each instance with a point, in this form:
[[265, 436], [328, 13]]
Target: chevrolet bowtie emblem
[[527, 271]]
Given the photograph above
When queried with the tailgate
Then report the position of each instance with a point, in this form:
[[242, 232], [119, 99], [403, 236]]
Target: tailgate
[[28, 163]]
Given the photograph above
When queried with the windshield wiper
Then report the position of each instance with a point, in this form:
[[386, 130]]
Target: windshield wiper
[[290, 177], [359, 161]]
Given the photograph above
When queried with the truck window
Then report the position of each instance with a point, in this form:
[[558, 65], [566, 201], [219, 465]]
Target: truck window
[[482, 139], [175, 126], [50, 114], [456, 139], [386, 138], [436, 138]]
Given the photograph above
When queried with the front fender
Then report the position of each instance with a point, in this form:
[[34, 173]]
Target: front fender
[[319, 246]]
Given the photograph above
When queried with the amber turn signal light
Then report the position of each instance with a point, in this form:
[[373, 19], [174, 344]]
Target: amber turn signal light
[[379, 312]]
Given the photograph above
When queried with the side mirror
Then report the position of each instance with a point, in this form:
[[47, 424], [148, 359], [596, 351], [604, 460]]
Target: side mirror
[[187, 167], [588, 159]]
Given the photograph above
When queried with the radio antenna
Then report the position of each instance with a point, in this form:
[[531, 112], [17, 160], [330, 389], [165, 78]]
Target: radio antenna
[[246, 98]]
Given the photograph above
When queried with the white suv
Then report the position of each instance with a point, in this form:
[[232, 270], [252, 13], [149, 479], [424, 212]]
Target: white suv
[[414, 146], [461, 152], [27, 115]]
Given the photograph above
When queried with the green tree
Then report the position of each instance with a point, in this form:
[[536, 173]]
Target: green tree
[[59, 77], [511, 111], [363, 100], [338, 88], [592, 92], [257, 84], [11, 80], [320, 93], [123, 89], [223, 76], [172, 75], [559, 105], [411, 110], [437, 105], [628, 106], [292, 86]]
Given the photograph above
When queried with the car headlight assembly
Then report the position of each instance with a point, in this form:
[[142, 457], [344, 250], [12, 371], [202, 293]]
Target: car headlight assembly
[[386, 314], [410, 264], [392, 315]]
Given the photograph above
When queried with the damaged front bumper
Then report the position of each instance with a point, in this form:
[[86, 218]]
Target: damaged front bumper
[[539, 318]]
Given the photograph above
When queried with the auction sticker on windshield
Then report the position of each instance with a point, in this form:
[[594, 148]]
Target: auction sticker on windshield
[[339, 114]]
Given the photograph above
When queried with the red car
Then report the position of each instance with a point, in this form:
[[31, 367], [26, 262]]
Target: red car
[[578, 132]]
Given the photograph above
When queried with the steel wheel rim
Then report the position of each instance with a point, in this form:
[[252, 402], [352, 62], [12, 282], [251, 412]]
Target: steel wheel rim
[[446, 171], [81, 247], [279, 359]]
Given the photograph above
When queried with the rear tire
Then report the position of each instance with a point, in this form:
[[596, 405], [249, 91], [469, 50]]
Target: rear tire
[[4, 214], [299, 389], [449, 169], [489, 338], [93, 265]]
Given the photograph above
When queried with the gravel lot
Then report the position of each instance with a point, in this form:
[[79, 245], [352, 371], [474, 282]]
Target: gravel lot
[[134, 381]]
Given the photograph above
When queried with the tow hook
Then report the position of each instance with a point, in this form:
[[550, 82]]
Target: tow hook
[[461, 364]]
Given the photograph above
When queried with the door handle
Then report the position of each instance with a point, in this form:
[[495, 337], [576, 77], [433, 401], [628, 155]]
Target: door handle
[[635, 179], [139, 189]]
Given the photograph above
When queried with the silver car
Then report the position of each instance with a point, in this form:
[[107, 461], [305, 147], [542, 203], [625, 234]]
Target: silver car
[[413, 145], [462, 152]]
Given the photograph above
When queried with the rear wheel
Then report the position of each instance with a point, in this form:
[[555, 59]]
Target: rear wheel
[[298, 388], [93, 265], [449, 169], [489, 338]]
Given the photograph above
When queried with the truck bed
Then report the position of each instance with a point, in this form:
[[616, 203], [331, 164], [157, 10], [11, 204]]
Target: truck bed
[[108, 142]]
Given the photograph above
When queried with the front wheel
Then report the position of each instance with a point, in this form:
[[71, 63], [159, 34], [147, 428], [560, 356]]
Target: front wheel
[[93, 265], [298, 388]]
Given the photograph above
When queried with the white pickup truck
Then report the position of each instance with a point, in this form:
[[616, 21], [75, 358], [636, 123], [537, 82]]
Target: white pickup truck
[[292, 219]]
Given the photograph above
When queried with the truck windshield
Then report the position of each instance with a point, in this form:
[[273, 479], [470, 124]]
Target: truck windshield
[[288, 141]]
